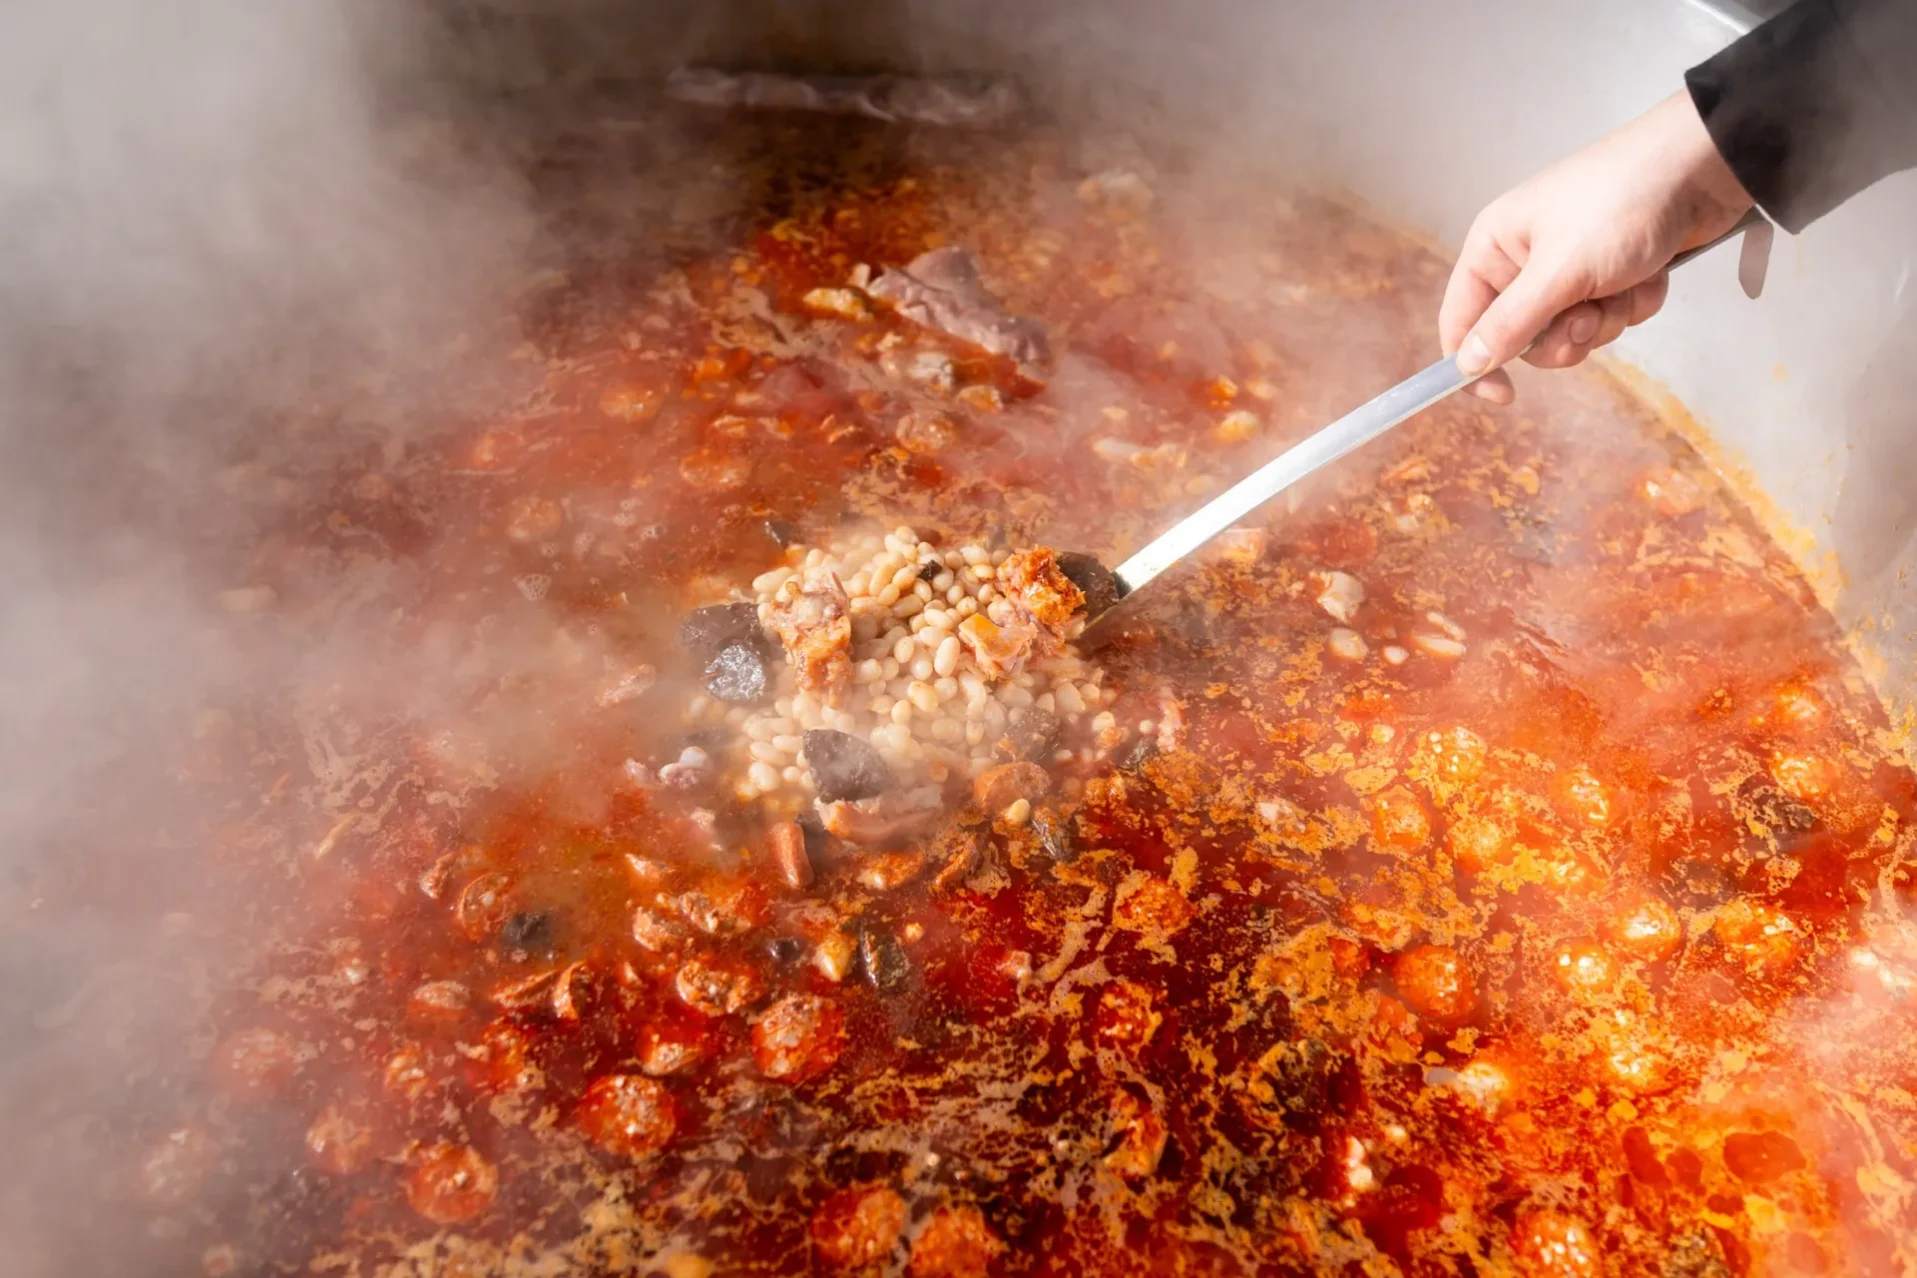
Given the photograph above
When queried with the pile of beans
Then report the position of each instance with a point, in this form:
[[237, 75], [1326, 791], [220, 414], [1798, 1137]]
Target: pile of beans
[[917, 694]]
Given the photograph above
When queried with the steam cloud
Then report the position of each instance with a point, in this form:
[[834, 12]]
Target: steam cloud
[[233, 233]]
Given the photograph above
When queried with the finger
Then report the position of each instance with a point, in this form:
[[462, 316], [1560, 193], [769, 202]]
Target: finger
[[1465, 298], [1617, 318], [1494, 388], [1519, 314], [1647, 299], [1483, 271], [1563, 342]]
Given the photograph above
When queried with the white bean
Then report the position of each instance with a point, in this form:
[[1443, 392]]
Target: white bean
[[869, 672], [923, 697], [945, 660], [1069, 699], [908, 606], [921, 668], [763, 775], [901, 712], [789, 745], [902, 651], [888, 596]]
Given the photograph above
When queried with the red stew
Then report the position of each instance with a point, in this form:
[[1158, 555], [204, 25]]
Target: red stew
[[1495, 865]]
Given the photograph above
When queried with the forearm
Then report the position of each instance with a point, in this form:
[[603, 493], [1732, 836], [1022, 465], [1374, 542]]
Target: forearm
[[1816, 104]]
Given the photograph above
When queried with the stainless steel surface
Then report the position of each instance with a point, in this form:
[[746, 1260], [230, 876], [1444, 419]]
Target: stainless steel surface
[[1355, 429]]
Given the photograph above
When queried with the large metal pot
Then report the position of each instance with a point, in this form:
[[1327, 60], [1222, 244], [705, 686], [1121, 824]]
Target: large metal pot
[[1802, 397], [1426, 114]]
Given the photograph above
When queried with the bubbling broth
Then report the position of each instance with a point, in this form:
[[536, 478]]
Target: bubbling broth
[[1488, 862]]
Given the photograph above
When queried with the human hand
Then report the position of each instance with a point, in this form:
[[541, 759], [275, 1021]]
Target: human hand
[[1577, 254]]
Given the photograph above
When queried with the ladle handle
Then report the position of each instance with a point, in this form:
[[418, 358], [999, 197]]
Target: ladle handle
[[1355, 429]]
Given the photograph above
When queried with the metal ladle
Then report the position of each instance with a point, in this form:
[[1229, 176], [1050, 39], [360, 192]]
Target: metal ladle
[[1355, 429]]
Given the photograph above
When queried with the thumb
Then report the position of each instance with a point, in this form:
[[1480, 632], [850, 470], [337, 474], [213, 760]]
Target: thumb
[[1516, 317]]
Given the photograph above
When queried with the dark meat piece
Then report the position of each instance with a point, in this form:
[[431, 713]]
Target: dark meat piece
[[737, 675], [814, 622], [1094, 580], [1054, 833], [884, 960], [942, 290], [844, 767], [1030, 733], [945, 100], [527, 932], [708, 630], [1141, 752]]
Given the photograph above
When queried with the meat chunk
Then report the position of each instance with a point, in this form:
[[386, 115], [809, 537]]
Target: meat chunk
[[859, 1228], [1000, 642], [998, 788], [799, 1038], [954, 1242], [628, 1115], [814, 621], [876, 820], [786, 844], [450, 1184], [942, 290], [1038, 587]]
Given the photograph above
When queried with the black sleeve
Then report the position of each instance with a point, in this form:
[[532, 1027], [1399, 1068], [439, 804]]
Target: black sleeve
[[1814, 105]]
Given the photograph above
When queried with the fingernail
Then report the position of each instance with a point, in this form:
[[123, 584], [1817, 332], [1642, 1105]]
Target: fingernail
[[1583, 329], [1474, 356]]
